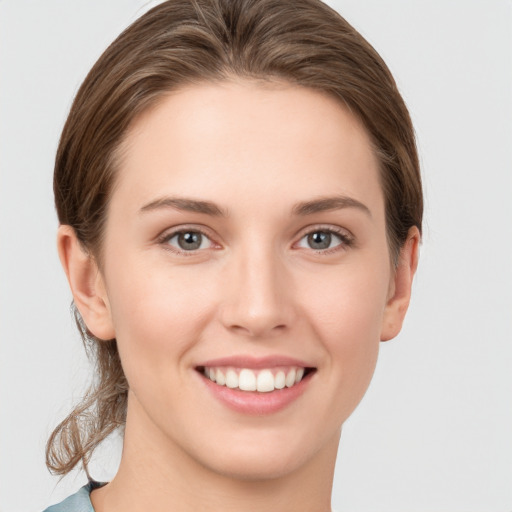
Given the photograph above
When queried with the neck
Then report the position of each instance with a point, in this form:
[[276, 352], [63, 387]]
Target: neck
[[156, 474]]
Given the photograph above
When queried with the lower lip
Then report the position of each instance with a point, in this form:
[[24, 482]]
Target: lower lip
[[252, 402]]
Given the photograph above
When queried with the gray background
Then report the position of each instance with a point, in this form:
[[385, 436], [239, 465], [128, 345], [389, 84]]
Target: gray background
[[434, 432]]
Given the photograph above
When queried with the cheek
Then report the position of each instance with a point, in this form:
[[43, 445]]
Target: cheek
[[157, 315], [347, 313], [348, 303]]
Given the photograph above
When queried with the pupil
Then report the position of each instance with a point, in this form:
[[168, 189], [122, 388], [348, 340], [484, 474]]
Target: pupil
[[190, 240], [319, 240]]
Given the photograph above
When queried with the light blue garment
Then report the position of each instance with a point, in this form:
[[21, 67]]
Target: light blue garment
[[78, 502]]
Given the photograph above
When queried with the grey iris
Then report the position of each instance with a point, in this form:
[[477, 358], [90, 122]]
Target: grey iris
[[319, 240], [189, 240]]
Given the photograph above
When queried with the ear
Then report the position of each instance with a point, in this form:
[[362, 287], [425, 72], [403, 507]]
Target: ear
[[400, 286], [86, 283]]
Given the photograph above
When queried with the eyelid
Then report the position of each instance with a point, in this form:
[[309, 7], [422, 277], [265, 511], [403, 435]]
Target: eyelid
[[169, 233], [347, 238], [344, 234]]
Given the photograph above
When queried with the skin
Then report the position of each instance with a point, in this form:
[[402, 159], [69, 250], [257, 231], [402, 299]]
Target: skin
[[255, 287]]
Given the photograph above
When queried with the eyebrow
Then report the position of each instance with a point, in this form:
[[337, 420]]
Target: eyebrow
[[209, 208], [184, 204], [329, 203]]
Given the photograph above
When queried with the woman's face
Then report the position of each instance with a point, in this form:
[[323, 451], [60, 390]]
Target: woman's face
[[246, 239]]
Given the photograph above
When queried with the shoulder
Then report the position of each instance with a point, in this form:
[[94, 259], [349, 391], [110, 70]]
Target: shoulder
[[78, 502]]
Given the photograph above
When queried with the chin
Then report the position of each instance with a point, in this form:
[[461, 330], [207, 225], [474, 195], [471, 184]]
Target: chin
[[252, 467], [266, 457]]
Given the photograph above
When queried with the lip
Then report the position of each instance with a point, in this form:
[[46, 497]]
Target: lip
[[252, 402], [255, 363]]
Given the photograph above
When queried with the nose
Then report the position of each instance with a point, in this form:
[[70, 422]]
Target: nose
[[258, 295]]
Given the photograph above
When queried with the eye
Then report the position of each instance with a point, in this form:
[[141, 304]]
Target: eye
[[323, 239], [188, 240]]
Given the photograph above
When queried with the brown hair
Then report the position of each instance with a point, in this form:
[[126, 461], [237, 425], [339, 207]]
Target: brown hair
[[182, 42]]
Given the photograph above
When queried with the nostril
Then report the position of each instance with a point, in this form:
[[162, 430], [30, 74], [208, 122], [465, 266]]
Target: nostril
[[257, 305], [258, 329]]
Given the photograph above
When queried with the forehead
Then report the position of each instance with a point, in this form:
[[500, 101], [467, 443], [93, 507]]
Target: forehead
[[252, 138]]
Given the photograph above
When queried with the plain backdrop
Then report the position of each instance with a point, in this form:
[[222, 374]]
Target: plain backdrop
[[434, 432]]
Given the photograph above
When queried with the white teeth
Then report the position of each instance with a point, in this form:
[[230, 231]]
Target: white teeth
[[247, 380], [231, 379], [263, 381], [280, 380], [290, 378], [220, 378]]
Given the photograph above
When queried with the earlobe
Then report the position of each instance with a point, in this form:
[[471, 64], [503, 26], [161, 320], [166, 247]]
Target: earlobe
[[86, 283], [401, 286]]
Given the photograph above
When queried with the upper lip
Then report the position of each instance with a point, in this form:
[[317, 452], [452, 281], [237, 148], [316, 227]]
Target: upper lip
[[251, 362]]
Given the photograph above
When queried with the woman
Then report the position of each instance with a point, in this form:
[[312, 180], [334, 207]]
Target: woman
[[240, 205]]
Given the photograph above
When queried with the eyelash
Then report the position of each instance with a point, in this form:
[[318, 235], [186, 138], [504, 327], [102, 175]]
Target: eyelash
[[346, 240], [167, 236]]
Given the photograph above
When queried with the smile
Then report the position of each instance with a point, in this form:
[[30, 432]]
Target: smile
[[256, 385], [263, 380]]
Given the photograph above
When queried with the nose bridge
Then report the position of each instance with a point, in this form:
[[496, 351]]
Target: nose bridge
[[257, 299]]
